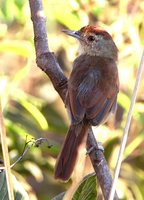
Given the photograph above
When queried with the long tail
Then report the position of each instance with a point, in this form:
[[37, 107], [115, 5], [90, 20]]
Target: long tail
[[68, 156]]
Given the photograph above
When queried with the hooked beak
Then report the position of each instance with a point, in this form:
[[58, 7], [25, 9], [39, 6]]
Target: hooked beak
[[75, 34]]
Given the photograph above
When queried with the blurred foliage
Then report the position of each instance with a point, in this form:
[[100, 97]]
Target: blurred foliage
[[19, 192], [33, 109], [87, 189]]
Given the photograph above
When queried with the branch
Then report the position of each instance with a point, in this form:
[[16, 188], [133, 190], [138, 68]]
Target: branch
[[27, 146], [100, 166], [47, 62]]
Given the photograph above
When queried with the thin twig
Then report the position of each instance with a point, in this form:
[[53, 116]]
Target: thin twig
[[125, 133], [6, 157], [29, 144]]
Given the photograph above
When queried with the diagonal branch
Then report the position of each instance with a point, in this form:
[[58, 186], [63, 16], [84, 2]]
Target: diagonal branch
[[47, 62]]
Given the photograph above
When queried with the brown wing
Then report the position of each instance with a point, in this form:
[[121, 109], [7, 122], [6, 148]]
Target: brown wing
[[93, 95]]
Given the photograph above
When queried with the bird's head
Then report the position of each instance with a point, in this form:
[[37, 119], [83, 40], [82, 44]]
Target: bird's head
[[94, 41]]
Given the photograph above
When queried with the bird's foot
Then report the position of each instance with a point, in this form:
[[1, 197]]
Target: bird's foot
[[96, 147]]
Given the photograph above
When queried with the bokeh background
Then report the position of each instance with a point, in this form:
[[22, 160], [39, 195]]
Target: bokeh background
[[32, 108]]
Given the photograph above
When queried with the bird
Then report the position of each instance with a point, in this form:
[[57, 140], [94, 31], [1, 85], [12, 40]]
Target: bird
[[92, 92]]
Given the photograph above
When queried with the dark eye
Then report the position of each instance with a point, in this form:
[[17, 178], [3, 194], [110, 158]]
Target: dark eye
[[91, 38]]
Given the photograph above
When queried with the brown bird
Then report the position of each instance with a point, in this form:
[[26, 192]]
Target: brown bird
[[92, 91]]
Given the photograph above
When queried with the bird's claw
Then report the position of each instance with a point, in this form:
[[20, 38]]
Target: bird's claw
[[96, 147]]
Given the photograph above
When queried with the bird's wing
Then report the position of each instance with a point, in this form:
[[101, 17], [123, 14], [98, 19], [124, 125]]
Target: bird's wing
[[94, 96], [98, 101]]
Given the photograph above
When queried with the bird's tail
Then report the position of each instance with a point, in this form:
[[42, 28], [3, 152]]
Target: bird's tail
[[68, 156]]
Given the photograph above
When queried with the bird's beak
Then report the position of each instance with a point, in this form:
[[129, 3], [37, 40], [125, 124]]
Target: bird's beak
[[75, 34]]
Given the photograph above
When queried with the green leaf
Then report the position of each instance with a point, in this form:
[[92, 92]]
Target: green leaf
[[137, 192], [17, 128], [19, 192], [133, 145], [68, 16], [22, 48], [110, 146], [87, 189], [17, 6], [124, 100], [36, 113]]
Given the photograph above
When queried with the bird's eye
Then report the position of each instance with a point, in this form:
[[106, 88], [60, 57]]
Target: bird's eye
[[91, 38]]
